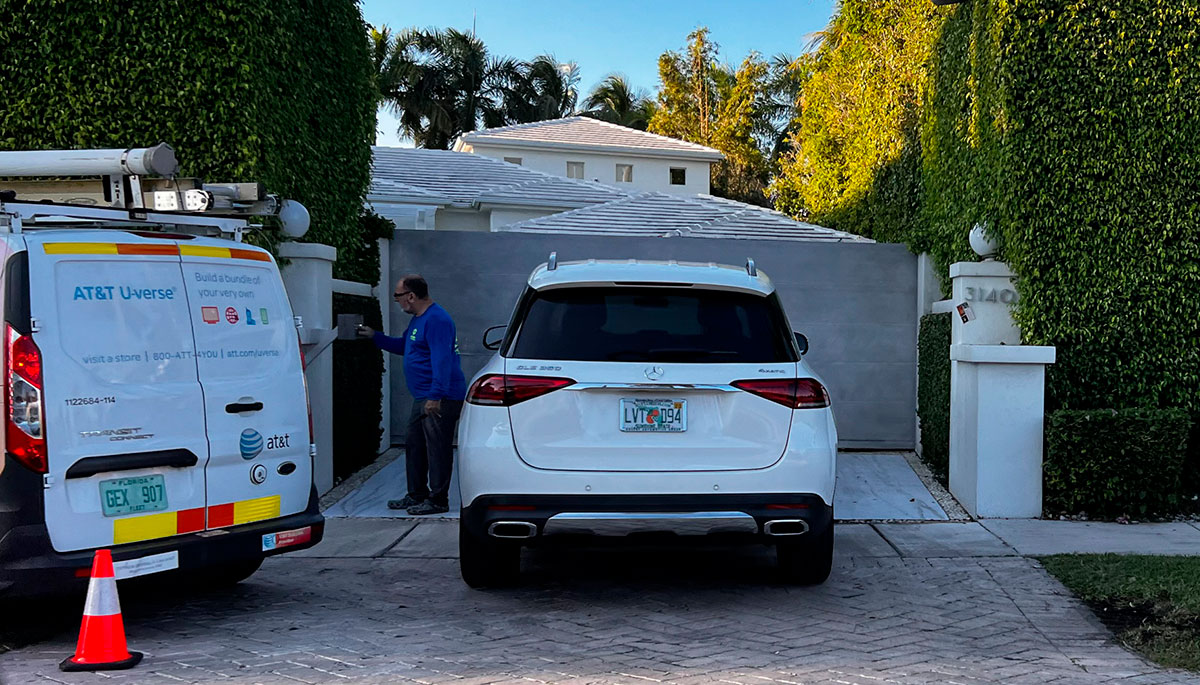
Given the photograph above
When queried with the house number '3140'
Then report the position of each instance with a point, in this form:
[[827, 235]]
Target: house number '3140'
[[991, 295]]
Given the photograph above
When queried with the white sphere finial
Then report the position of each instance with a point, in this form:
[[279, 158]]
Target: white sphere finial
[[983, 245], [293, 218]]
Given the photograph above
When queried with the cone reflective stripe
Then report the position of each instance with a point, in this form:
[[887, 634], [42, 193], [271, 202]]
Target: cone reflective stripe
[[101, 644]]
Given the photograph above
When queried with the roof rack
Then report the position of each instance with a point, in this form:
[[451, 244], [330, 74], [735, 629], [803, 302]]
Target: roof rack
[[116, 188]]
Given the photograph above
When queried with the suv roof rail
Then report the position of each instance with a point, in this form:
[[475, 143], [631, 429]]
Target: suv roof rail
[[750, 268], [552, 264]]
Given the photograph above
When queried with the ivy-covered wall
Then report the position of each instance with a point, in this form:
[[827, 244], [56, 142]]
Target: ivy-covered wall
[[277, 91], [1071, 127]]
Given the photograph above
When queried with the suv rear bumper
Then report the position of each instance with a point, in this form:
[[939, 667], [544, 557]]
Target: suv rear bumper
[[29, 565], [525, 518]]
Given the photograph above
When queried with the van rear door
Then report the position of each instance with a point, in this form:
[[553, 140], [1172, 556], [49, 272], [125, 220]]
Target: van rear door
[[248, 357], [125, 433]]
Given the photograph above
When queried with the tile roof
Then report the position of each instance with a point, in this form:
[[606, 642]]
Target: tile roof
[[698, 216], [578, 133], [457, 178]]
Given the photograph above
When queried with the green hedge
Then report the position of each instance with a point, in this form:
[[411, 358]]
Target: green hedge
[[1109, 462], [933, 393], [246, 90], [357, 413]]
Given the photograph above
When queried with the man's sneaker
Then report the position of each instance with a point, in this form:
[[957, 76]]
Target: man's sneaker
[[408, 501], [428, 507]]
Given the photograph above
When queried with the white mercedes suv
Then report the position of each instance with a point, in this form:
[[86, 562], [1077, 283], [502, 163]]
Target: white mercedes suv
[[662, 397]]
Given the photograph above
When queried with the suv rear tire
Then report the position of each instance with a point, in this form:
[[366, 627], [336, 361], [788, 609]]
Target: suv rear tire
[[486, 563], [806, 562]]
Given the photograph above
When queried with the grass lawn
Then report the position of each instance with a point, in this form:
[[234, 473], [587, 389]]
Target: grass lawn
[[1151, 603]]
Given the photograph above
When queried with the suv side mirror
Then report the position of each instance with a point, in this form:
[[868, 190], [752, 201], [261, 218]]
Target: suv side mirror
[[488, 342], [801, 342]]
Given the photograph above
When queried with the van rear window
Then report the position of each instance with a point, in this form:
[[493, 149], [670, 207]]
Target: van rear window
[[652, 324]]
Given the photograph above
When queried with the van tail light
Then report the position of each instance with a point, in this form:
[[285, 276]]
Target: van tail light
[[312, 443], [24, 432], [797, 393], [498, 390]]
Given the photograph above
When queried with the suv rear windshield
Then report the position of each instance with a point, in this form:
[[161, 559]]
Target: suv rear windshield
[[651, 324]]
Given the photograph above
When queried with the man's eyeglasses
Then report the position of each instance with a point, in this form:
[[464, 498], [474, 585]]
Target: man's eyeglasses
[[397, 296]]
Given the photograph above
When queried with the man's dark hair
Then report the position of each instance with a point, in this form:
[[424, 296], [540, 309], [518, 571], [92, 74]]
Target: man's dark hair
[[416, 283]]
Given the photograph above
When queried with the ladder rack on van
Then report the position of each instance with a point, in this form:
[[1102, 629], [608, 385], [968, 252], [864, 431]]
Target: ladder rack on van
[[136, 187]]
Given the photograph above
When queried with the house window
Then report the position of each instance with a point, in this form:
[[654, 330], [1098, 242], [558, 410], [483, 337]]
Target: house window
[[624, 173], [513, 160], [678, 176], [574, 169]]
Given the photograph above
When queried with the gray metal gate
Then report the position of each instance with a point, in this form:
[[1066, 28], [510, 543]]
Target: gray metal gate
[[856, 302]]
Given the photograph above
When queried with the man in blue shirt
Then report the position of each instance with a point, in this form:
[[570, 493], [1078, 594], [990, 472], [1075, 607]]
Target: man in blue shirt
[[433, 372]]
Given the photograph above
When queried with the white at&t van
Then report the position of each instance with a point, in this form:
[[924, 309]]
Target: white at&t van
[[154, 400]]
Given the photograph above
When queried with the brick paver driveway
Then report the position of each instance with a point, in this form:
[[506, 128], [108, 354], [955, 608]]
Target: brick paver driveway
[[904, 607]]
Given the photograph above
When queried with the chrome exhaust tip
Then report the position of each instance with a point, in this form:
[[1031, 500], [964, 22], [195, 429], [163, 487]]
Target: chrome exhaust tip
[[512, 530], [783, 527]]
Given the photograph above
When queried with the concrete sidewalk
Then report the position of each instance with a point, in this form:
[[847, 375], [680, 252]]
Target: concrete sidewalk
[[1037, 537]]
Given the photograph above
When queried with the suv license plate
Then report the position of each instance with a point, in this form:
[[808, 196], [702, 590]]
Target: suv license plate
[[653, 416], [133, 495]]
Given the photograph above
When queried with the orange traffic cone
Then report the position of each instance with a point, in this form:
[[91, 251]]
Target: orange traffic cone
[[102, 635]]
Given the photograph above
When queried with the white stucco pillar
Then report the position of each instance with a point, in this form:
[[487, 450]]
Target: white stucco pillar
[[997, 397], [996, 412], [308, 278]]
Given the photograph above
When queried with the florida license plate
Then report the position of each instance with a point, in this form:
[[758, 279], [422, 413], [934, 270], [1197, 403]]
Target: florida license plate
[[133, 495], [653, 416]]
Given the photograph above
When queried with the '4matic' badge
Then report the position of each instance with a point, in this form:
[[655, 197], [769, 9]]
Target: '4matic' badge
[[251, 444]]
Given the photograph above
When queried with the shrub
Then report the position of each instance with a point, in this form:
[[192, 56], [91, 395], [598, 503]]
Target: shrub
[[933, 392], [1109, 462]]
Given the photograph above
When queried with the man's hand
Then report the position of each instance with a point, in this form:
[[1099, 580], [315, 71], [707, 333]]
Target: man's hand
[[433, 408], [364, 331]]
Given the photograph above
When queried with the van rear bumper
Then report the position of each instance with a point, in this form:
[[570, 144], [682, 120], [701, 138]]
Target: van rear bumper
[[29, 565]]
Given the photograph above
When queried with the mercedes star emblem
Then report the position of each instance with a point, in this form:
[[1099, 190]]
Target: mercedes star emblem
[[654, 372]]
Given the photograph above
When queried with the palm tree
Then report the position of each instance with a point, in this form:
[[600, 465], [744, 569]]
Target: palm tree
[[442, 84], [785, 82], [547, 89], [614, 100]]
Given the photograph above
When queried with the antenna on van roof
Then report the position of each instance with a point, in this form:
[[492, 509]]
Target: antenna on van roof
[[553, 263], [750, 268]]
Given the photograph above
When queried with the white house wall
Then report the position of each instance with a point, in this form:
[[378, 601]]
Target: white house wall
[[462, 220], [406, 216], [649, 173], [504, 217]]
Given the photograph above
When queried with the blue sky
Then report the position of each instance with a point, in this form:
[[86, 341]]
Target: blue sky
[[608, 36]]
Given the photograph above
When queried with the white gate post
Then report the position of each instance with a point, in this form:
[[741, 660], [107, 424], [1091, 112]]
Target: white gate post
[[384, 291], [997, 395], [308, 278]]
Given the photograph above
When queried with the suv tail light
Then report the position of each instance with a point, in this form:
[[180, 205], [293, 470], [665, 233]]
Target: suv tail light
[[797, 393], [24, 432], [499, 390]]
